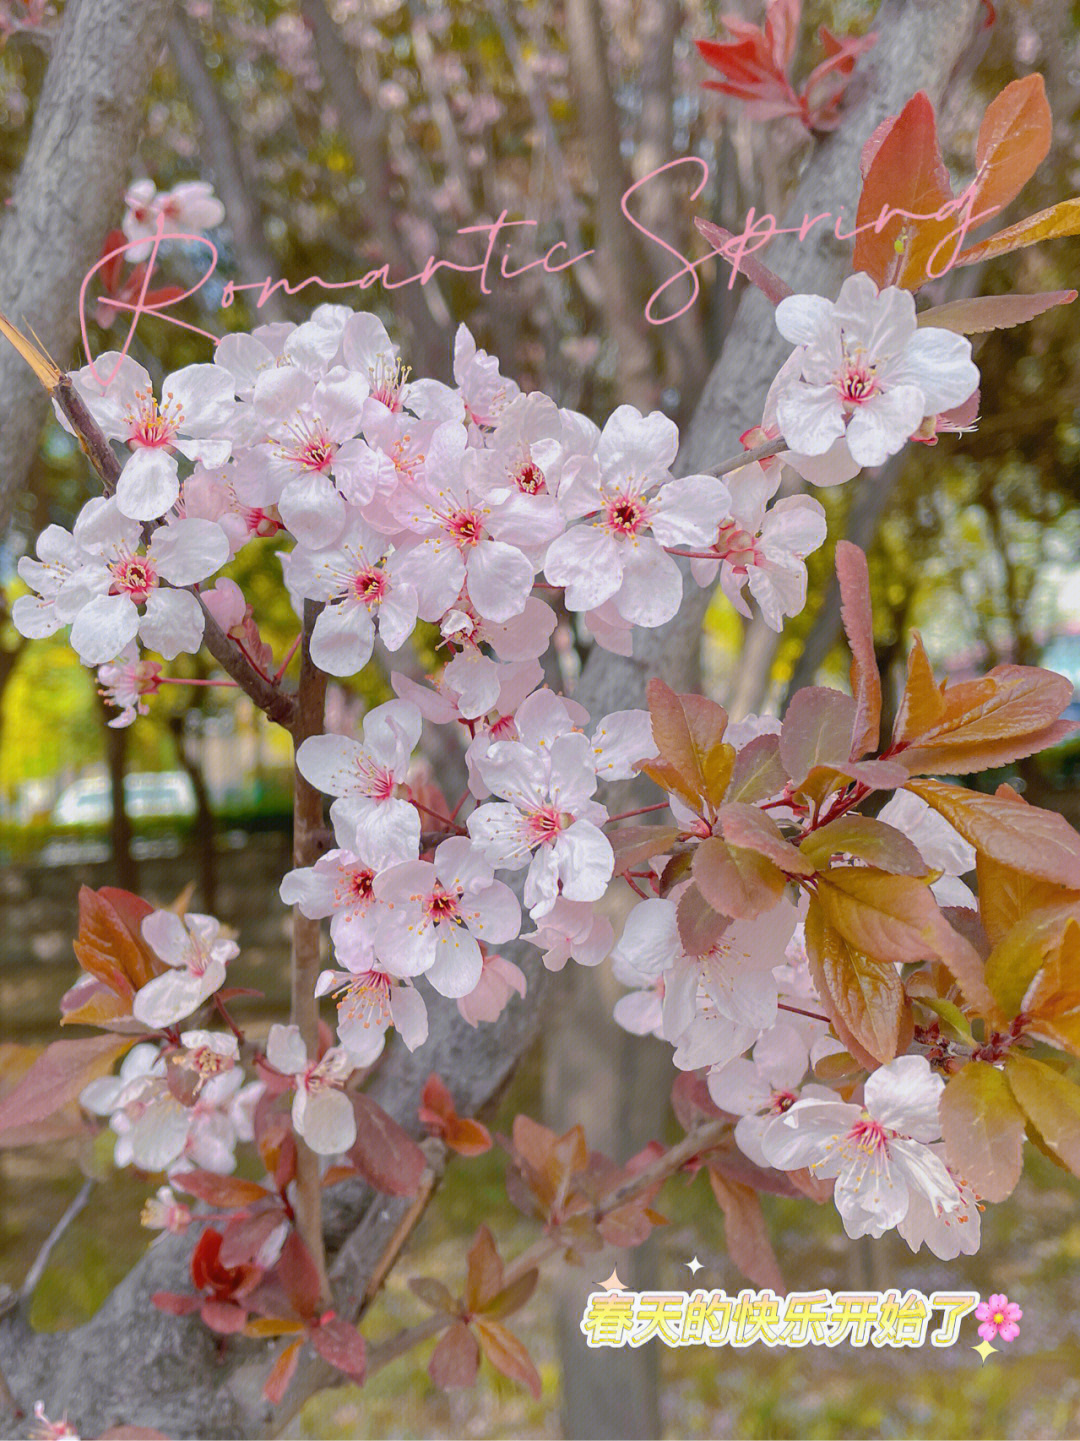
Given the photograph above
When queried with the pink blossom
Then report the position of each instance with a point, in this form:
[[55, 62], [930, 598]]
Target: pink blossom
[[195, 953], [188, 207], [190, 418], [435, 914], [867, 373], [365, 776], [369, 1002], [879, 1151], [631, 509], [125, 681], [499, 980], [321, 1112]]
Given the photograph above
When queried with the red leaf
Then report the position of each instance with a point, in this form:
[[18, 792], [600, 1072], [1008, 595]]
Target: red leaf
[[385, 1155], [342, 1346], [853, 575], [220, 1190], [906, 174], [174, 1303], [297, 1273], [224, 1317]]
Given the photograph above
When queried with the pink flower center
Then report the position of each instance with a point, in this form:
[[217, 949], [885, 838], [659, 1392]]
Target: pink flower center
[[999, 1317], [529, 478], [356, 887], [441, 906], [261, 522], [465, 527], [782, 1101], [545, 826], [150, 425], [366, 998], [626, 514], [309, 446], [856, 379], [387, 382], [870, 1136], [369, 586], [134, 576]]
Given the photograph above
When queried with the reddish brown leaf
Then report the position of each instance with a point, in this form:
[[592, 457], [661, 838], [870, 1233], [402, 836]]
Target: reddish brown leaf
[[853, 576], [734, 881], [1061, 219], [484, 1276], [864, 992], [1007, 895], [1051, 1102], [980, 313], [58, 1076], [908, 175], [282, 1372], [749, 828], [506, 1353], [700, 925], [689, 734], [456, 1359], [342, 1347], [511, 1298], [220, 1190], [386, 1156], [1040, 843], [730, 248], [758, 774], [869, 839], [818, 728], [1014, 140], [745, 1232], [896, 918], [109, 944]]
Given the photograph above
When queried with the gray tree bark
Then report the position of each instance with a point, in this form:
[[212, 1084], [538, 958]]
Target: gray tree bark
[[131, 1364], [68, 196]]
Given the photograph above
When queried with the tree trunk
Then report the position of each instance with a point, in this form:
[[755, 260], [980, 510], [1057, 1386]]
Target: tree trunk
[[68, 196]]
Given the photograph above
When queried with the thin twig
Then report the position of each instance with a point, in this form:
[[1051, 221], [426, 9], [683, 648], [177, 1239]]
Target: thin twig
[[41, 1260], [759, 452], [674, 1158]]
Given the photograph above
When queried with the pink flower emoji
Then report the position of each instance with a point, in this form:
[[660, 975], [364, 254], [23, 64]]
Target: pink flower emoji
[[999, 1316]]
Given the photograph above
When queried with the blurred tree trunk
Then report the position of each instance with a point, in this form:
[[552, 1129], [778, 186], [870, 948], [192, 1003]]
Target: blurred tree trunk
[[230, 165], [620, 262], [125, 870], [86, 124], [205, 830]]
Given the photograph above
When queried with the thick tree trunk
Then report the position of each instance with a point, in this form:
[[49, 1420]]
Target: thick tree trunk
[[135, 1365], [68, 196]]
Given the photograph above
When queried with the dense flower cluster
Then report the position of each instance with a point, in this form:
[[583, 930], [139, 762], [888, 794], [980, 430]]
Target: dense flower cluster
[[398, 500]]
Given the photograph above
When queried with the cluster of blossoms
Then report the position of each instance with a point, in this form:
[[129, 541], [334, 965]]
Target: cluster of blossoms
[[400, 500]]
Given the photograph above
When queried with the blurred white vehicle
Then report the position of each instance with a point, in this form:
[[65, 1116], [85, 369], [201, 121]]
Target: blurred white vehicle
[[146, 794]]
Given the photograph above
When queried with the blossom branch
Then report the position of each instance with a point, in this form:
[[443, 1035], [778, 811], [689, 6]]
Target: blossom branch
[[307, 934]]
